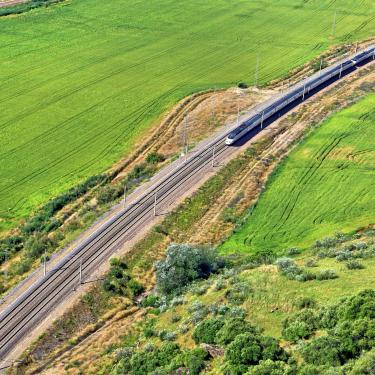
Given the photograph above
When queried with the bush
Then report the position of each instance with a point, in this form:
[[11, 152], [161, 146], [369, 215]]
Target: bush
[[322, 351], [167, 335], [118, 280], [293, 251], [194, 360], [306, 302], [206, 331], [269, 367], [365, 365], [183, 265], [135, 288], [243, 85], [326, 275], [150, 301], [300, 325], [355, 337], [238, 293], [37, 244], [109, 194], [263, 257], [248, 349], [245, 350], [311, 263], [154, 158], [354, 265], [232, 328]]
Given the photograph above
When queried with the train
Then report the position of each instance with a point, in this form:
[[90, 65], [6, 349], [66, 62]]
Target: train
[[301, 91]]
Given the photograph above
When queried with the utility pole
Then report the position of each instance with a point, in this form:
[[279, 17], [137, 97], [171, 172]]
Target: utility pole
[[213, 156], [334, 24], [340, 71], [321, 64], [256, 71], [155, 205], [261, 121]]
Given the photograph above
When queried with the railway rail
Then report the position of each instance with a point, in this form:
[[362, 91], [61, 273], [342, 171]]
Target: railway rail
[[33, 306]]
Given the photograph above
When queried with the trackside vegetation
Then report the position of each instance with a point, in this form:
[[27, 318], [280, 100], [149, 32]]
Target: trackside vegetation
[[323, 186], [84, 80], [247, 317]]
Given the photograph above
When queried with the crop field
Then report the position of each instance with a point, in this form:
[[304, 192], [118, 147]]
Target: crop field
[[83, 81], [325, 185]]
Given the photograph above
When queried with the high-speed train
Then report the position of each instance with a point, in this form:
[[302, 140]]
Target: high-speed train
[[299, 92]]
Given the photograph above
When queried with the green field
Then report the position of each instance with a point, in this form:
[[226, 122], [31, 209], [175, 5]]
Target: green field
[[82, 81], [325, 185]]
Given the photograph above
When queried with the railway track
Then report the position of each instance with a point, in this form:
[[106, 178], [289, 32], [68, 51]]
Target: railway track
[[33, 306]]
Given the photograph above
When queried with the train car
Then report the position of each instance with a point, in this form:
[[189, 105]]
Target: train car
[[297, 93]]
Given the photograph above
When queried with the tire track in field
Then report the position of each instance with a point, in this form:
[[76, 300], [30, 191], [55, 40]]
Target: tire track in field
[[107, 150], [299, 187], [69, 122], [86, 144]]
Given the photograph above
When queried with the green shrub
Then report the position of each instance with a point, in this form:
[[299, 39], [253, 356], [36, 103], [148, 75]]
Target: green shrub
[[354, 265], [365, 365], [326, 275], [232, 328], [269, 367], [300, 325], [119, 281], [37, 244], [293, 251], [238, 293], [322, 351], [109, 194], [184, 264], [249, 349], [306, 303], [135, 288], [154, 158], [206, 331], [151, 301]]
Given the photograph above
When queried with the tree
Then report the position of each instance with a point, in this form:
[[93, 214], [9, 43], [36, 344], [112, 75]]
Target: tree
[[184, 264], [245, 350], [206, 331], [365, 365], [322, 351], [269, 367], [232, 328]]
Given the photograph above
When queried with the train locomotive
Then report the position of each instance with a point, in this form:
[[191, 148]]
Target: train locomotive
[[314, 81]]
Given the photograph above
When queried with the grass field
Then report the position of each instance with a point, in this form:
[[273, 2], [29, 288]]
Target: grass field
[[81, 82], [325, 185]]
